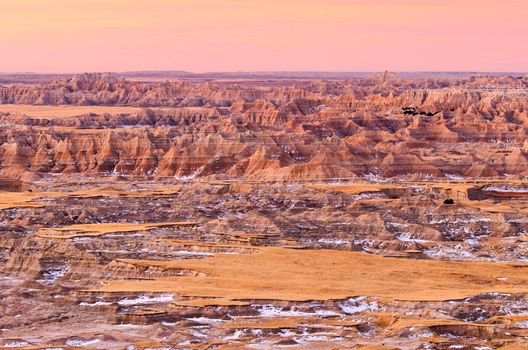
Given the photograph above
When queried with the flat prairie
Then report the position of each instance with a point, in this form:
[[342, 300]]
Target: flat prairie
[[64, 111], [300, 275], [95, 230]]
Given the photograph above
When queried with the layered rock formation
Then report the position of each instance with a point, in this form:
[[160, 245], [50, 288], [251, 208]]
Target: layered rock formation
[[313, 130], [107, 263], [370, 213]]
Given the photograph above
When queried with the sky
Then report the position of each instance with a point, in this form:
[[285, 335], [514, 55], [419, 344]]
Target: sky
[[263, 35]]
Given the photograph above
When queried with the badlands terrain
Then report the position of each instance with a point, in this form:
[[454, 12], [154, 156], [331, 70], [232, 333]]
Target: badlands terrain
[[264, 212]]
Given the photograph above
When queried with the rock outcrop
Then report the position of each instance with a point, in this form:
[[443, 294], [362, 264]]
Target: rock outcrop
[[312, 130]]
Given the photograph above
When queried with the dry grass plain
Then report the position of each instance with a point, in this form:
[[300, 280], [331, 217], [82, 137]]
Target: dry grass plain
[[300, 275], [64, 111], [10, 199], [96, 230]]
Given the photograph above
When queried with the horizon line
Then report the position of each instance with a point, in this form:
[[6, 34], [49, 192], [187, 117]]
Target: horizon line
[[256, 71]]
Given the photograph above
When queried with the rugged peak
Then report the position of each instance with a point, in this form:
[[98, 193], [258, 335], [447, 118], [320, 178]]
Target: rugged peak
[[387, 76], [91, 81]]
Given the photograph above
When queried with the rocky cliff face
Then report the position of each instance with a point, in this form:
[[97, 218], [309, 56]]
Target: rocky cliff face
[[314, 130]]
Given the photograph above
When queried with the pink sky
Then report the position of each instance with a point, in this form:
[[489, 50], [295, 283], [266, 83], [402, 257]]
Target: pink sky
[[251, 35]]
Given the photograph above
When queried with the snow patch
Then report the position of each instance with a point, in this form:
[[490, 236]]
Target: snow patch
[[81, 342], [16, 344], [145, 299], [97, 303], [356, 305], [269, 310]]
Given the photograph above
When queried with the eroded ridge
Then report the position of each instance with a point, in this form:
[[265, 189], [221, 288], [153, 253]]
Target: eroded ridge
[[279, 130]]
